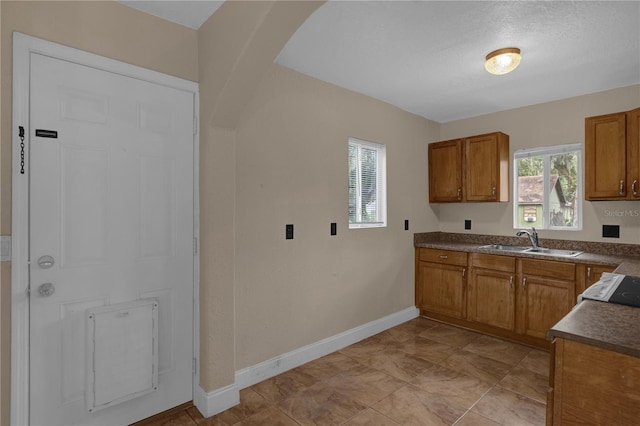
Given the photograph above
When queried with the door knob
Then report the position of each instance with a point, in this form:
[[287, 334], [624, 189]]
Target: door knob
[[45, 262], [46, 289]]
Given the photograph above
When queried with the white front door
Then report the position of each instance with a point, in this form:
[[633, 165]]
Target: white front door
[[111, 205]]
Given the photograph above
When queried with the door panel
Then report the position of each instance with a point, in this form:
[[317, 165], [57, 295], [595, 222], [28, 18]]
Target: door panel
[[111, 200]]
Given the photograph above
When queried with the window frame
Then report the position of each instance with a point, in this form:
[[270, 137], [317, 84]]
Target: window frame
[[546, 153], [381, 185]]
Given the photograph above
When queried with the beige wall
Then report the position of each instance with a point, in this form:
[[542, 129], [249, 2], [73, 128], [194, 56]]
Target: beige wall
[[106, 28], [292, 168], [547, 124]]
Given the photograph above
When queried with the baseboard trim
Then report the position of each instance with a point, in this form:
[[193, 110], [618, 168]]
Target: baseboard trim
[[272, 367], [214, 402]]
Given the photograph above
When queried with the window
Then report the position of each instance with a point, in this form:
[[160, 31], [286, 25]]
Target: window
[[367, 184], [548, 187]]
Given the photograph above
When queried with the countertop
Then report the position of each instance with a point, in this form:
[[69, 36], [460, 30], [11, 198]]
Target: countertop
[[607, 325]]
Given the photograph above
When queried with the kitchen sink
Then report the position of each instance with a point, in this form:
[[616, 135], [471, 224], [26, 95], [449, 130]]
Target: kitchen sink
[[533, 250], [503, 247]]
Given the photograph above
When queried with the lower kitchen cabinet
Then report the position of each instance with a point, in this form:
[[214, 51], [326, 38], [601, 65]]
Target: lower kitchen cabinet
[[547, 293], [592, 386], [441, 282], [491, 296], [511, 297]]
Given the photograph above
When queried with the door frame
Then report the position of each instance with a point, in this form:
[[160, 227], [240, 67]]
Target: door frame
[[23, 47]]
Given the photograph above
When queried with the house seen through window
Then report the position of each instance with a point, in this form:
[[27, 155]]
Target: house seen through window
[[548, 187], [367, 184]]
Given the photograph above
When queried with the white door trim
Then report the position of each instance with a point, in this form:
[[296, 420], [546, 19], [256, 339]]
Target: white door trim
[[23, 46]]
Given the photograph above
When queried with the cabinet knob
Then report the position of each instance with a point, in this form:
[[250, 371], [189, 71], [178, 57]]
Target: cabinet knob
[[459, 194], [443, 256], [493, 191], [621, 187], [589, 273], [633, 187], [524, 283], [511, 282]]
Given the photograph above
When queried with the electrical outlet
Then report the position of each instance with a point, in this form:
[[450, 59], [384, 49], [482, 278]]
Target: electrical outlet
[[610, 231], [288, 234], [467, 224], [334, 228]]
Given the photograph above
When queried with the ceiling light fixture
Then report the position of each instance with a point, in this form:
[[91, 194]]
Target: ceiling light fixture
[[502, 61]]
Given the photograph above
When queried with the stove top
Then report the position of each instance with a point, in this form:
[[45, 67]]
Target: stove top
[[615, 288], [627, 292]]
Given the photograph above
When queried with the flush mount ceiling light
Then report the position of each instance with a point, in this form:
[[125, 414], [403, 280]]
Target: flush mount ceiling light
[[502, 61]]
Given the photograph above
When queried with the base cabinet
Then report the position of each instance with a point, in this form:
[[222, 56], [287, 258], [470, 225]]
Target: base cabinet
[[514, 298], [491, 293], [441, 284], [592, 386]]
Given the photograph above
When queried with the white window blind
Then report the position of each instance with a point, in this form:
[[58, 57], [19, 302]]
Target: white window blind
[[367, 184]]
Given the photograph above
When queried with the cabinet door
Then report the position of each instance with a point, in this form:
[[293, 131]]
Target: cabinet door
[[605, 157], [445, 171], [542, 302], [633, 153], [492, 298], [442, 289], [486, 168]]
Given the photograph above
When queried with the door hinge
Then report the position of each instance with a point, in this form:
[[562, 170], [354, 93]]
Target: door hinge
[[195, 124], [195, 245], [194, 366]]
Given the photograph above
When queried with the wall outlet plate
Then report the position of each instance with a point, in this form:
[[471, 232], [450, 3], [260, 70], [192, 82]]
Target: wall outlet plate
[[610, 231], [288, 233]]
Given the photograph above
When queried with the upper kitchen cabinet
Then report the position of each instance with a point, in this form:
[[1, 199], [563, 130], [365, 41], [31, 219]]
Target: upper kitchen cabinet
[[612, 156], [475, 168]]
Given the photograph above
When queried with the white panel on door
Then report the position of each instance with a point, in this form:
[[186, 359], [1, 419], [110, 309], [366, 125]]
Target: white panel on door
[[83, 105], [155, 118], [72, 347], [85, 205], [157, 206]]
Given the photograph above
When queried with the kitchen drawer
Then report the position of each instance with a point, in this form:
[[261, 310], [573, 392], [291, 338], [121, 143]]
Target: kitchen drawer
[[443, 256], [493, 262], [548, 268]]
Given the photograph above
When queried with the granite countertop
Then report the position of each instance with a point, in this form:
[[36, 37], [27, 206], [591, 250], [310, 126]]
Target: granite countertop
[[607, 325], [625, 256]]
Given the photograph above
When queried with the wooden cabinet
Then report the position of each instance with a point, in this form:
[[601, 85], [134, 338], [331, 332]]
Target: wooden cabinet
[[612, 156], [441, 282], [547, 292], [592, 386], [475, 168], [589, 274], [491, 292], [517, 298], [445, 171]]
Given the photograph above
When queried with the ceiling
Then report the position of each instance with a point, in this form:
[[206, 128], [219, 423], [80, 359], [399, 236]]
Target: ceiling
[[427, 57]]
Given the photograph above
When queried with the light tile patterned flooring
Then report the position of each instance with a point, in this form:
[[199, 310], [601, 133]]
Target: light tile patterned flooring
[[418, 373]]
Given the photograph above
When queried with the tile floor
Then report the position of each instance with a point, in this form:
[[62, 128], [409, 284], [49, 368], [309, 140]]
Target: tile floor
[[418, 373]]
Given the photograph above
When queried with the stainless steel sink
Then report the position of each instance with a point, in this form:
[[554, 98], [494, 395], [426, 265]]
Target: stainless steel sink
[[531, 250], [502, 247]]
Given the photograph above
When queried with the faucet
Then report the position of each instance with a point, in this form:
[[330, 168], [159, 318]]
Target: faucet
[[533, 236]]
